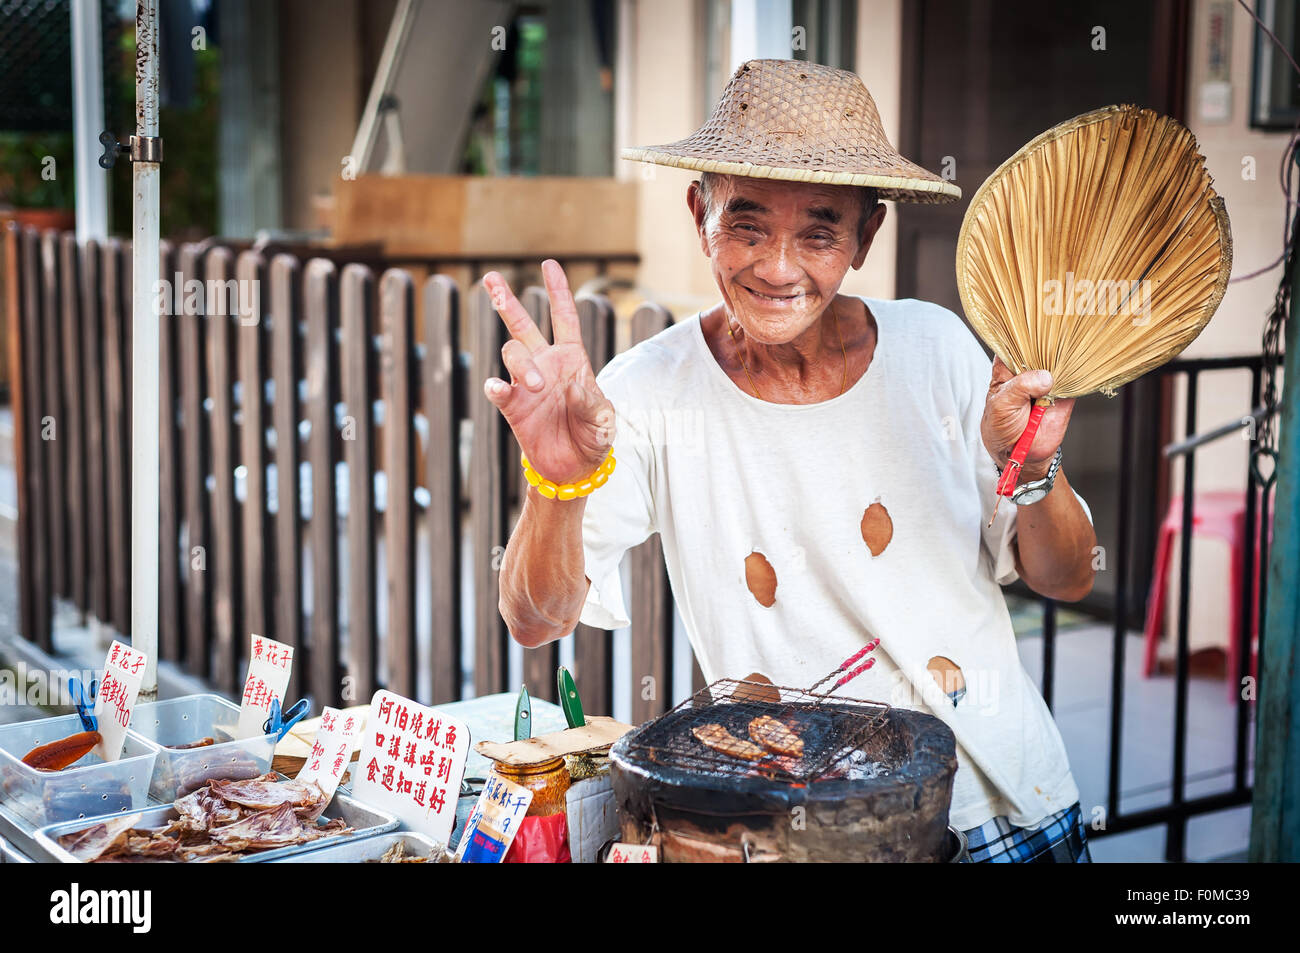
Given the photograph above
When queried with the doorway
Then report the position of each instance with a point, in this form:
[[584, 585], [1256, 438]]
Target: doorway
[[980, 79]]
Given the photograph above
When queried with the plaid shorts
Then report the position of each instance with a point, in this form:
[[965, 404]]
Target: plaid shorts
[[1061, 839]]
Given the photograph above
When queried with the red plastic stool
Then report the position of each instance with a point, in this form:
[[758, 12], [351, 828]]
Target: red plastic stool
[[1220, 514]]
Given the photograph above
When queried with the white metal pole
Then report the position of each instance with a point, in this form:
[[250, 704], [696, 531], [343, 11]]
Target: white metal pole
[[145, 356], [88, 121]]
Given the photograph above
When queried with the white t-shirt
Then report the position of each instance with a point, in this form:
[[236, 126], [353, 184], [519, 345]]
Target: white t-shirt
[[719, 474]]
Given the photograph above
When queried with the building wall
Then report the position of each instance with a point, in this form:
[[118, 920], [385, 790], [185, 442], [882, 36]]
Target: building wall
[[1256, 208], [321, 100]]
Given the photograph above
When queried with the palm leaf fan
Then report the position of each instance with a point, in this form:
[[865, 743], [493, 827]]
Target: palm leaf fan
[[1097, 252]]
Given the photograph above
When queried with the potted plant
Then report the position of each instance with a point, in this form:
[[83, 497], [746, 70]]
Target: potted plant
[[36, 179]]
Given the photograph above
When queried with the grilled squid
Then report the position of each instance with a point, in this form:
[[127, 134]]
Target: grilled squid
[[57, 755]]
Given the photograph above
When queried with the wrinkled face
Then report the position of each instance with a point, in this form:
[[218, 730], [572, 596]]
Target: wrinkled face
[[780, 250]]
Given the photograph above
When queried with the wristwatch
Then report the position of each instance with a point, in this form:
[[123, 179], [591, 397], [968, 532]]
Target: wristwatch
[[1032, 492]]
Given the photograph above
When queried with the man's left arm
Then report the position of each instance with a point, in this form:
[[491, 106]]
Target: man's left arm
[[1055, 539]]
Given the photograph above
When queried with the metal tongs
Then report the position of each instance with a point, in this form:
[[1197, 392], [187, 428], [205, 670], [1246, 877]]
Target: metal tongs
[[846, 665]]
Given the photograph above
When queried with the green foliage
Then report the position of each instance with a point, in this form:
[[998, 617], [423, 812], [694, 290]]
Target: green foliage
[[28, 179], [189, 168]]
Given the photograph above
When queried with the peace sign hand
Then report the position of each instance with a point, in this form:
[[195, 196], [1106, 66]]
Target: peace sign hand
[[562, 420]]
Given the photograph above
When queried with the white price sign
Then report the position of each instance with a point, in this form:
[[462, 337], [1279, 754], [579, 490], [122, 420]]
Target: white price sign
[[123, 672], [269, 664], [633, 854], [331, 751], [411, 765], [494, 822]]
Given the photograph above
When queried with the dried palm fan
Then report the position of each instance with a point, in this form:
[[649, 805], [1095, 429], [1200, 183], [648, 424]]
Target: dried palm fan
[[1097, 252]]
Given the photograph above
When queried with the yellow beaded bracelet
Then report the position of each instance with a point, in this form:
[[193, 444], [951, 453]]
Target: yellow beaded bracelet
[[568, 491]]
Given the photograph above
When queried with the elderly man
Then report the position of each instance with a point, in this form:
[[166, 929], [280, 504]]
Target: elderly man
[[820, 467]]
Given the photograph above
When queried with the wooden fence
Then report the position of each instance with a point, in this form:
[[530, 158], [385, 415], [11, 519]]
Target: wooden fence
[[286, 388]]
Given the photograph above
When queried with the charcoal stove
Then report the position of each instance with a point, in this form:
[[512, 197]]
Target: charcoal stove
[[874, 783]]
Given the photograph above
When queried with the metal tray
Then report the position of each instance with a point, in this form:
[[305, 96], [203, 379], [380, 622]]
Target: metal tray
[[365, 821], [9, 854], [359, 850]]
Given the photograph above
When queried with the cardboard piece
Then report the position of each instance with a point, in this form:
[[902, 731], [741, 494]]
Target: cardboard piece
[[592, 818], [600, 731]]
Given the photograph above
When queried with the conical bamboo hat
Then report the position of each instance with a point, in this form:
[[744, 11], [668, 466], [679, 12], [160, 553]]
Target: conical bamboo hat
[[801, 122], [1097, 252]]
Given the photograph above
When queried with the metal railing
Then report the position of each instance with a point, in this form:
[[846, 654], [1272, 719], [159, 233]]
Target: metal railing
[[1175, 814]]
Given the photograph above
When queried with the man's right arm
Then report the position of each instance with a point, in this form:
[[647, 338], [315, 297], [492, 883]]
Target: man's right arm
[[543, 581]]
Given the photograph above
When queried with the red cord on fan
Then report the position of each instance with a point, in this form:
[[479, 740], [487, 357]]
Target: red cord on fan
[[1007, 482]]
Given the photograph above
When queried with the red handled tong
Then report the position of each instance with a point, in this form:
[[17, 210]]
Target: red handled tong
[[847, 666]]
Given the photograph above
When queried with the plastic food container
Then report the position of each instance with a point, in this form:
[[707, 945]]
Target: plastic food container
[[364, 820], [90, 788], [181, 721], [360, 851]]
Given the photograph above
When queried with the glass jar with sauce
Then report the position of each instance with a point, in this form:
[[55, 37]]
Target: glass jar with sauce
[[548, 780]]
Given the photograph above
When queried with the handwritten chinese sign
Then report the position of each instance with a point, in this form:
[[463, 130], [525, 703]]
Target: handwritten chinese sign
[[411, 765], [633, 854], [332, 750], [123, 672], [494, 821], [269, 664]]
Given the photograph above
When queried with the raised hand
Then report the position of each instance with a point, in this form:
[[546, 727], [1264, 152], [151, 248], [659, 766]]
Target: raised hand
[[563, 422]]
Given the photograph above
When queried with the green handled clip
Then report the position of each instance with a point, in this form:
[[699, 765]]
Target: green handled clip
[[523, 715], [569, 700]]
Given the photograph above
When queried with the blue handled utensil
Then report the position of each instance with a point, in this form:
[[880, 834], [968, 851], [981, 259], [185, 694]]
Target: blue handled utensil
[[280, 722], [84, 701]]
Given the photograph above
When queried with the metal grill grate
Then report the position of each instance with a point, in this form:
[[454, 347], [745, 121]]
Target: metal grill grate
[[831, 728]]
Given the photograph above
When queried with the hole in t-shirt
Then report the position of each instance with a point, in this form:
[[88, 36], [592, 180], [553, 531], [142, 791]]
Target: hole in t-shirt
[[761, 578], [756, 687], [877, 528], [949, 676]]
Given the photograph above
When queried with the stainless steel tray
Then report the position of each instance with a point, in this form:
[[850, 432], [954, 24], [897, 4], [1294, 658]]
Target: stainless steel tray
[[365, 821], [9, 854], [359, 850]]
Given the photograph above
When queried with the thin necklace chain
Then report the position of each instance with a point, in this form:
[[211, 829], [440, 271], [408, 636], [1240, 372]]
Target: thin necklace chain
[[844, 379]]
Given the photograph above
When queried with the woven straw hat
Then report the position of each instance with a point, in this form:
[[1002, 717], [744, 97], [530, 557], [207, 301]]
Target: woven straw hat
[[787, 119]]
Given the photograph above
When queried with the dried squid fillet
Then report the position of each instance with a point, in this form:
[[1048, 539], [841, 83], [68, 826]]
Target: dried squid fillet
[[201, 811], [264, 792], [720, 739], [277, 827], [201, 743], [776, 736], [57, 755], [98, 840]]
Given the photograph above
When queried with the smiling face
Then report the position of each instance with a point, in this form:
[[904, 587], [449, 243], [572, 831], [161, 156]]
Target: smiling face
[[780, 250]]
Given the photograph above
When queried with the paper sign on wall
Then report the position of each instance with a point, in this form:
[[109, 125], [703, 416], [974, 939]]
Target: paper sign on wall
[[633, 854], [493, 823], [269, 664], [411, 765], [331, 751], [123, 672]]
